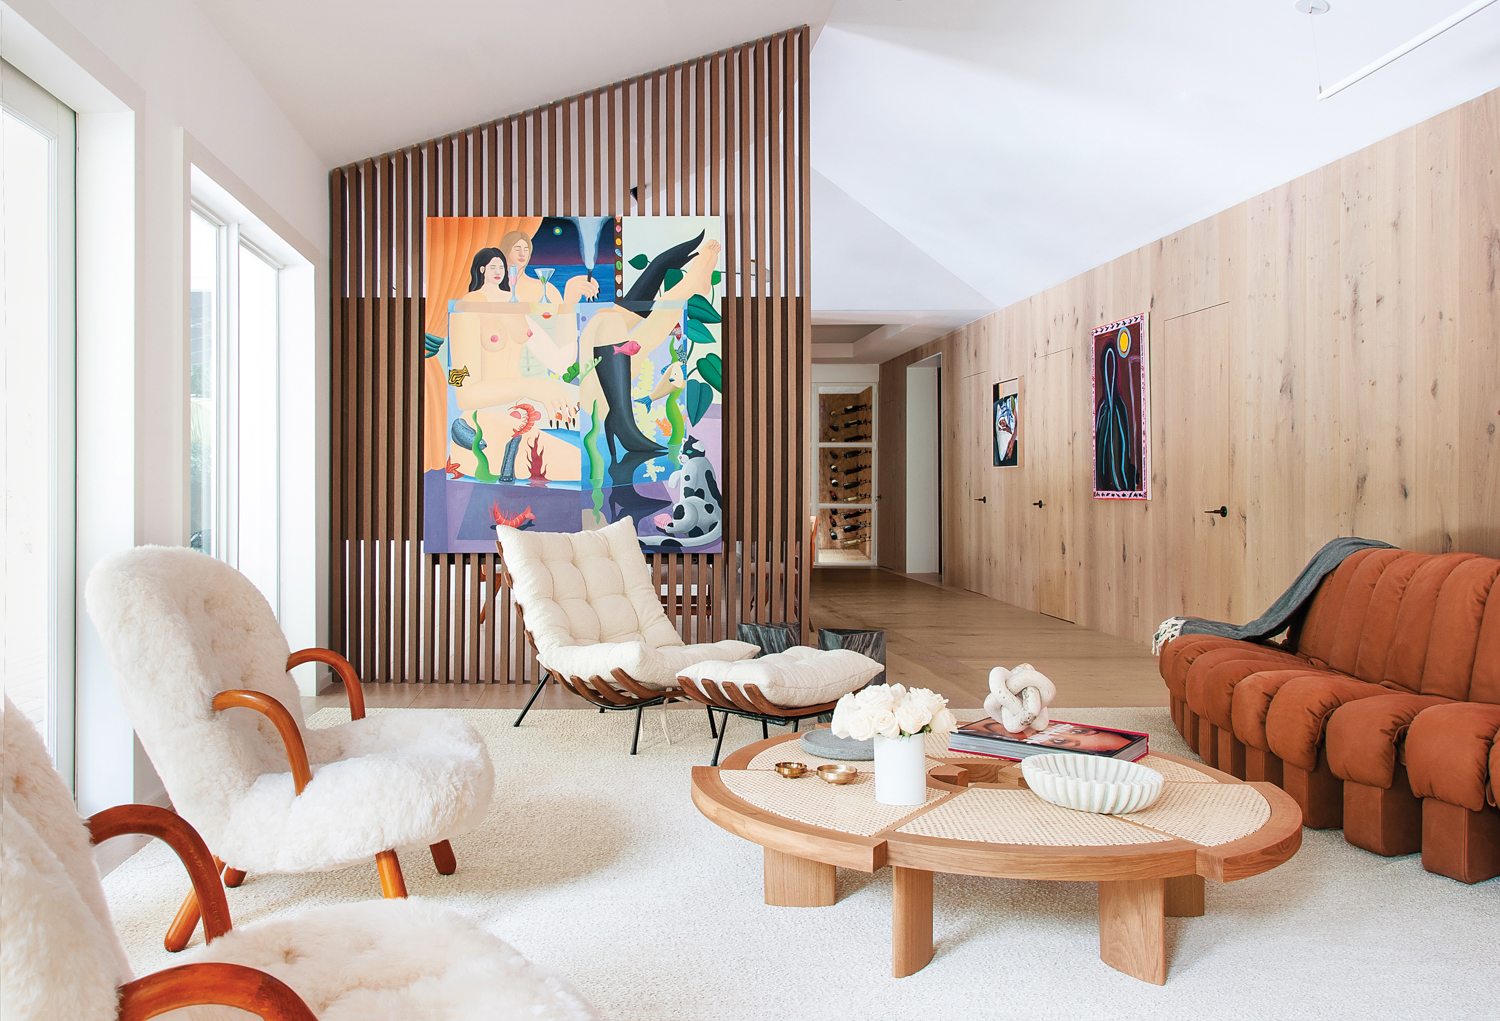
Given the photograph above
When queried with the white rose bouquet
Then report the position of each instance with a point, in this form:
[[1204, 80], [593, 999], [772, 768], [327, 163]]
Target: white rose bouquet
[[892, 711]]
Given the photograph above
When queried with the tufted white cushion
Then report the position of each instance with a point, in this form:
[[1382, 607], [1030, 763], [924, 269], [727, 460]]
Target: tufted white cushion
[[591, 606], [797, 677]]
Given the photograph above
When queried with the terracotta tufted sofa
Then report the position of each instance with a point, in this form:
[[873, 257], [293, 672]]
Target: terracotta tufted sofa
[[1393, 643]]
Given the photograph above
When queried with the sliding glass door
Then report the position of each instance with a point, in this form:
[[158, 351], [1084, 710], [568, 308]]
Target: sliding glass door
[[37, 426]]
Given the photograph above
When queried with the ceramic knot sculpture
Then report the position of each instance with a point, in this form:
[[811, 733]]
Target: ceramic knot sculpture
[[1019, 698]]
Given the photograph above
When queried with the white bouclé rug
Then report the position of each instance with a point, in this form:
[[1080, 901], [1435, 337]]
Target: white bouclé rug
[[595, 864]]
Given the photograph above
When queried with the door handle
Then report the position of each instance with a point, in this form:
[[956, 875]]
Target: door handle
[[1222, 512], [1037, 504], [981, 499]]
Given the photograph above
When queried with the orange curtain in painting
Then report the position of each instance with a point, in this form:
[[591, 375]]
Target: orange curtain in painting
[[451, 244]]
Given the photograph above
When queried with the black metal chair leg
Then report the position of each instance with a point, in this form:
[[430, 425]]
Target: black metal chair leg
[[539, 686], [634, 741], [723, 729], [713, 731], [765, 731], [797, 726]]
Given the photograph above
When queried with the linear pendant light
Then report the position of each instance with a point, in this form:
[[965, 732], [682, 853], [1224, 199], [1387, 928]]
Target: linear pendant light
[[1406, 47]]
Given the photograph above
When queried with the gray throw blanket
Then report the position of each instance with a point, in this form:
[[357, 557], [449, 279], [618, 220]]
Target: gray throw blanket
[[1279, 616]]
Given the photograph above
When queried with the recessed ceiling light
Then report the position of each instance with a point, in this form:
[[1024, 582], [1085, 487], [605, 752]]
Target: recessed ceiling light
[[1312, 6]]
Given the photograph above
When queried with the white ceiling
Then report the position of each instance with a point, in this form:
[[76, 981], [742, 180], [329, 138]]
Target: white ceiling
[[966, 153]]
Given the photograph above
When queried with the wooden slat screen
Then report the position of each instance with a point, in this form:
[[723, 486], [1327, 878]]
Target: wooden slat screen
[[726, 134]]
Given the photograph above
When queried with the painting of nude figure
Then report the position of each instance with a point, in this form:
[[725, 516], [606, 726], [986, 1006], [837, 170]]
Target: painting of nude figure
[[573, 377]]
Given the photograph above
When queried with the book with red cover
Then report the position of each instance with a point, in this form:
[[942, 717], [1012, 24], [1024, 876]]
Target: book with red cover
[[988, 737]]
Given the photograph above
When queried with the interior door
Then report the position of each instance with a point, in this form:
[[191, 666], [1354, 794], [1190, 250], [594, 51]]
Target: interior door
[[1206, 576], [970, 562], [1048, 433]]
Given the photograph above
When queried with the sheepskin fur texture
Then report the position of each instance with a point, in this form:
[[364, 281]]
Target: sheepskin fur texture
[[591, 606], [797, 677], [396, 961], [179, 628], [59, 956], [371, 961]]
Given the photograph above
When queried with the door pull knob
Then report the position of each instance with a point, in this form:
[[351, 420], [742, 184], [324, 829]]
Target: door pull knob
[[1037, 504], [1222, 512], [981, 499]]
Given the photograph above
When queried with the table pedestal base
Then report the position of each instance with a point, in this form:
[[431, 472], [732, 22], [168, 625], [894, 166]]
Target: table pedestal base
[[793, 882]]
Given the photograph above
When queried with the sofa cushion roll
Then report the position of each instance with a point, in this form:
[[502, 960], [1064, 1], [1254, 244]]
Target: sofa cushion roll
[[1300, 711], [1315, 637], [1448, 753], [1178, 655], [1456, 624], [1365, 736], [1407, 655], [1252, 703], [1212, 679]]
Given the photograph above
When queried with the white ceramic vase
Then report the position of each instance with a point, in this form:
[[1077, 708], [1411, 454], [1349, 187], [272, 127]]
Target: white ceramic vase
[[901, 770]]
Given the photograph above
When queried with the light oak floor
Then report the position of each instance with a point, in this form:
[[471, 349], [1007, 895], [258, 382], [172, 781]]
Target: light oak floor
[[941, 638]]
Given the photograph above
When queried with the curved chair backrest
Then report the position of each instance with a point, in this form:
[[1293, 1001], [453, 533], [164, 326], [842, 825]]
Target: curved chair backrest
[[59, 955], [583, 588], [180, 627]]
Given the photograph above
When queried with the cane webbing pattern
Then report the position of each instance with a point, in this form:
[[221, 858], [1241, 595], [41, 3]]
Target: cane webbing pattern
[[1176, 772], [849, 808], [1020, 817], [1208, 814]]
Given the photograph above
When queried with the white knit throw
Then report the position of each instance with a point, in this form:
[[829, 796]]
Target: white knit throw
[[1019, 698], [1165, 632]]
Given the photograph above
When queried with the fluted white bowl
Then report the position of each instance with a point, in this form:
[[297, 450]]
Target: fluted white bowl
[[1091, 784]]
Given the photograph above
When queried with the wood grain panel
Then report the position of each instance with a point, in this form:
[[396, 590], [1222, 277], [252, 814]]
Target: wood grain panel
[[726, 134], [1334, 369]]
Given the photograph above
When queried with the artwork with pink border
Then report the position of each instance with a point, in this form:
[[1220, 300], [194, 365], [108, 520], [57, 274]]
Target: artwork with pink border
[[1121, 428]]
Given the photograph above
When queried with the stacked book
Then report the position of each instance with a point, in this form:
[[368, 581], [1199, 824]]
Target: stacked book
[[989, 737]]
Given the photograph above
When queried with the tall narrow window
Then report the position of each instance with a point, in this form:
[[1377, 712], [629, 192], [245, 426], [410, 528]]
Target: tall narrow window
[[234, 316], [37, 425], [205, 298]]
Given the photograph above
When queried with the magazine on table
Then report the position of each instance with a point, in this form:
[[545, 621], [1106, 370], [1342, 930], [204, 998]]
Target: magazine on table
[[989, 737]]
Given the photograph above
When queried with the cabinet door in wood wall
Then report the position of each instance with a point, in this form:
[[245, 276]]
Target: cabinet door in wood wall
[[1192, 456]]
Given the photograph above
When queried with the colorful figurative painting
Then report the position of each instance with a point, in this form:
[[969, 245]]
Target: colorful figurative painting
[[574, 377], [1122, 411], [1006, 423]]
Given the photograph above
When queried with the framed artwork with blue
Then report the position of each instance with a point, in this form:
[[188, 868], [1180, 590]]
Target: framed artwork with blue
[[1121, 426]]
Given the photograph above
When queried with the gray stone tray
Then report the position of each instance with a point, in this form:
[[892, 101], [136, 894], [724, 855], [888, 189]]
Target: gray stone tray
[[823, 742]]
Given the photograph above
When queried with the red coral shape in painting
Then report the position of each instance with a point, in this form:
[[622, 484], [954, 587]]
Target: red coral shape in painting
[[454, 471], [536, 467]]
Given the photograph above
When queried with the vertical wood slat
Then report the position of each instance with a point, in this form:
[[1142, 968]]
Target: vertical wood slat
[[726, 135]]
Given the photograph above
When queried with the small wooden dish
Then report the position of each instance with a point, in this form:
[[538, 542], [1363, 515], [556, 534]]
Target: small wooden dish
[[832, 773], [790, 770]]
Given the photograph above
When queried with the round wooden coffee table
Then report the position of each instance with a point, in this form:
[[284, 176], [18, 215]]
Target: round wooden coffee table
[[981, 820]]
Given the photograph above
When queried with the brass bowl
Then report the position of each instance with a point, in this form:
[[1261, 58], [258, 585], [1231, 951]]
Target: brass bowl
[[790, 770], [832, 773]]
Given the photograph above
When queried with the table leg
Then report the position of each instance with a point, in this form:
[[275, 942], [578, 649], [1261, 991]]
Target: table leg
[[1132, 933], [911, 921], [1183, 897], [793, 882]]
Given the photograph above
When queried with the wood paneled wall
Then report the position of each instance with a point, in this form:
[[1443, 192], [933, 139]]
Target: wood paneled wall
[[1325, 361], [726, 134]]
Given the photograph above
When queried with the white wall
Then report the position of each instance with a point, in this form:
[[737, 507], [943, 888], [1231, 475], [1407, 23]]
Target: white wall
[[153, 81], [922, 518]]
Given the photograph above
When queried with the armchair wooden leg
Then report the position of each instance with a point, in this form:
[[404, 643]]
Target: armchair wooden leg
[[233, 877], [183, 925], [391, 883], [442, 857]]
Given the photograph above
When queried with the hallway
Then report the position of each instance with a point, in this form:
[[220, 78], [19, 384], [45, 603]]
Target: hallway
[[937, 638]]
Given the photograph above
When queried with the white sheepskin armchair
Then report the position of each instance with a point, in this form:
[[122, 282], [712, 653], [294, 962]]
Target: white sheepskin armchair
[[181, 629], [594, 614], [371, 961]]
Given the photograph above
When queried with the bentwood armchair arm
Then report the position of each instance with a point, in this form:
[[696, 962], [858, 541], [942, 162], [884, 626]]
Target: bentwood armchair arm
[[342, 667], [291, 737], [229, 985]]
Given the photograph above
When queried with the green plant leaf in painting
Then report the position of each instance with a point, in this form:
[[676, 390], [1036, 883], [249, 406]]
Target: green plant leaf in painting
[[713, 281], [640, 261], [712, 371], [700, 308], [699, 397], [672, 278], [697, 332]]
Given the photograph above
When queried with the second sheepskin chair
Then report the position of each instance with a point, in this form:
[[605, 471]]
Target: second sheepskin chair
[[596, 619], [202, 669]]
